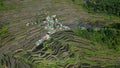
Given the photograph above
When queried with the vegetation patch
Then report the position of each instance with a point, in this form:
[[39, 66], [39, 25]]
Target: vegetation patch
[[5, 6], [3, 32], [105, 36], [105, 6]]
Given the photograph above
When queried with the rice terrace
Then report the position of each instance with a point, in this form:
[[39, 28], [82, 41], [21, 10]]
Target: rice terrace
[[59, 33]]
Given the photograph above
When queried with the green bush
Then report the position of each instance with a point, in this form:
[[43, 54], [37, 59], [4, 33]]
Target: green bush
[[106, 36], [1, 3], [115, 26], [3, 31], [7, 6], [107, 6]]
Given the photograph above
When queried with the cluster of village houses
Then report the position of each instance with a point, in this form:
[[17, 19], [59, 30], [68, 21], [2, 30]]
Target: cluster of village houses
[[52, 25]]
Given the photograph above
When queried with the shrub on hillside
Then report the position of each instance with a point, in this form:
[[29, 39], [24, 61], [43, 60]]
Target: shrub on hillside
[[1, 2], [107, 6], [115, 26], [105, 36], [3, 32]]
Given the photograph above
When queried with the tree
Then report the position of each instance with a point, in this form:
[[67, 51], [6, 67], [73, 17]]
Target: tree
[[1, 3]]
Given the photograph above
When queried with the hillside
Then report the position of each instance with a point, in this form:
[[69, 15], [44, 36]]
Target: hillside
[[65, 49]]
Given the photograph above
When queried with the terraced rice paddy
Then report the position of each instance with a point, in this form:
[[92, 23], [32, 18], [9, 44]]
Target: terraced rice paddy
[[64, 50]]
